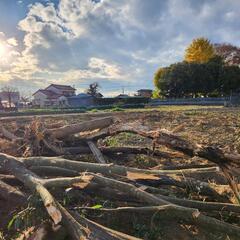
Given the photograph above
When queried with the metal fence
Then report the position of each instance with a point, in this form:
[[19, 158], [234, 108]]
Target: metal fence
[[218, 101]]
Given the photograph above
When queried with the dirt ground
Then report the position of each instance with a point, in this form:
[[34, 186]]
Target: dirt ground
[[215, 126], [211, 126]]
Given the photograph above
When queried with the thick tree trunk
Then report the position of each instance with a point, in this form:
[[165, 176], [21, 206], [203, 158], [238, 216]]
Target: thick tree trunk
[[65, 131]]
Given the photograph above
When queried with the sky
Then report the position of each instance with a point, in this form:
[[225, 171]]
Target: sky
[[117, 43]]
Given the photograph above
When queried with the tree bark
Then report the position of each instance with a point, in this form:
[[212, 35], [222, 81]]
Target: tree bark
[[54, 209], [9, 135], [9, 193], [99, 232], [103, 168], [65, 131], [169, 212], [96, 152]]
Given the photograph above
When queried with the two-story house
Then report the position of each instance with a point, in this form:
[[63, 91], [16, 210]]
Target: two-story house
[[147, 93], [53, 95]]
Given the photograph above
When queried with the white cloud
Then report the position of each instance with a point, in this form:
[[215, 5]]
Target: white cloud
[[111, 41], [8, 53], [13, 42]]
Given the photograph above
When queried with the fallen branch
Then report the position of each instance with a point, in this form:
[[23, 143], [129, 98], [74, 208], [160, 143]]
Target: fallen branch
[[103, 168], [96, 152], [54, 209], [166, 212], [9, 135], [9, 193], [226, 161], [203, 206], [122, 150], [99, 232]]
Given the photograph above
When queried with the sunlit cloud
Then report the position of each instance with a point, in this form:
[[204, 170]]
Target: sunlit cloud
[[112, 42]]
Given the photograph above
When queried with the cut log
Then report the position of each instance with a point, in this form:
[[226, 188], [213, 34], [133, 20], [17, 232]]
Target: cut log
[[127, 188], [111, 169], [107, 169], [167, 212], [103, 168], [54, 209], [53, 171], [122, 150], [190, 184], [65, 131]]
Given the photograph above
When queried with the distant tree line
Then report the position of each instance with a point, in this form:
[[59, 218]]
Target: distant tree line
[[202, 73]]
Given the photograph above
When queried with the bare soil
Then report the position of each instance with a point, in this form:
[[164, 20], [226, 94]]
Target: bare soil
[[215, 126]]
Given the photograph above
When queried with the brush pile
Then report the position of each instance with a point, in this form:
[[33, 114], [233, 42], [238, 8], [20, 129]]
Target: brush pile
[[59, 194]]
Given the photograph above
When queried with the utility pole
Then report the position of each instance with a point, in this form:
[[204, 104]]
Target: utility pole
[[122, 90]]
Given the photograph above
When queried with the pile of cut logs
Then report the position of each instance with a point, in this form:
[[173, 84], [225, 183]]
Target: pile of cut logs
[[136, 193]]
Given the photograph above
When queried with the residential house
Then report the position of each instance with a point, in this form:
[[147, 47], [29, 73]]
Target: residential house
[[147, 93], [53, 95], [63, 90]]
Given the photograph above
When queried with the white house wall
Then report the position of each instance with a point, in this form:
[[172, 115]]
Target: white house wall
[[40, 99]]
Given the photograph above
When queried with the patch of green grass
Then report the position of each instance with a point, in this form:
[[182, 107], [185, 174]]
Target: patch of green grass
[[94, 110], [117, 109], [191, 113], [112, 142]]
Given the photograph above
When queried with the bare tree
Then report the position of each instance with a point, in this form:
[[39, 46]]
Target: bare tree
[[1, 106], [25, 98], [10, 93]]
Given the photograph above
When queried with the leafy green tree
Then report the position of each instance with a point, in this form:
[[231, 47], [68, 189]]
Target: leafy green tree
[[156, 93], [93, 89], [160, 72], [230, 79], [201, 74]]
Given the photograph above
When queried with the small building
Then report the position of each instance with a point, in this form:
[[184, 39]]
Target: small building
[[121, 96], [81, 100], [147, 93]]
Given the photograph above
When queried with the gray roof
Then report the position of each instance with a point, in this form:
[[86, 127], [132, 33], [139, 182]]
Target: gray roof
[[81, 95], [84, 95]]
